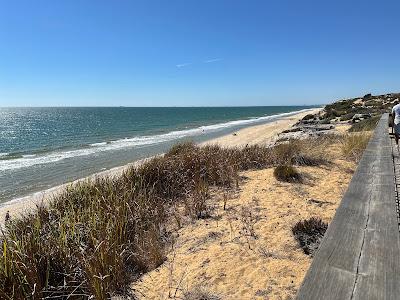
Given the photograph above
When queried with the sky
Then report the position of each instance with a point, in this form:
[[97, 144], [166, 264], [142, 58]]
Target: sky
[[196, 53]]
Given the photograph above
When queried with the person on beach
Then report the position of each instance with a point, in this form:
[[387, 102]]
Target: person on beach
[[396, 121]]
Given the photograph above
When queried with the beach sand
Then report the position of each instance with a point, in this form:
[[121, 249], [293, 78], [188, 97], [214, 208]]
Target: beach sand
[[256, 134]]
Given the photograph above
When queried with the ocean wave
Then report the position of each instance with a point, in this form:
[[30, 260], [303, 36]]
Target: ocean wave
[[98, 144], [52, 157]]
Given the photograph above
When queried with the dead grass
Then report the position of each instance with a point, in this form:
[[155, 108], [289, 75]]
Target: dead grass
[[200, 293], [354, 144], [365, 125], [221, 253]]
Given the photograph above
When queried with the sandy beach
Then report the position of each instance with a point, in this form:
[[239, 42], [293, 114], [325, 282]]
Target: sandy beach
[[259, 134], [264, 133]]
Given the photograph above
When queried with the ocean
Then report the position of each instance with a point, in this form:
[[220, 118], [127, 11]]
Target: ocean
[[44, 147]]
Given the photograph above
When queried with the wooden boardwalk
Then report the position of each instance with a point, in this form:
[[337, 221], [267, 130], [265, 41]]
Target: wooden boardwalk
[[359, 257]]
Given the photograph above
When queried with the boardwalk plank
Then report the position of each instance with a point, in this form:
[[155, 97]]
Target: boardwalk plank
[[379, 267], [359, 257]]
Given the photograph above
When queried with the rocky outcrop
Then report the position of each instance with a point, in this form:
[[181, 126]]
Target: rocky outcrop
[[303, 131], [346, 111]]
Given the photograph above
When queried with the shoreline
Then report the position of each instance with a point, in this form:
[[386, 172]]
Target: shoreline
[[259, 134], [256, 134]]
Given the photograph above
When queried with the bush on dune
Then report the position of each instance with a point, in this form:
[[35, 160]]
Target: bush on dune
[[200, 293], [309, 234], [302, 152], [287, 174]]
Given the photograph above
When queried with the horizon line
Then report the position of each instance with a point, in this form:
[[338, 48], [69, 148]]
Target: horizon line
[[177, 106]]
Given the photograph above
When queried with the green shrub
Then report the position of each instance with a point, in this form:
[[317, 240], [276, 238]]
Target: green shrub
[[367, 96], [325, 121], [309, 117], [287, 174], [347, 117]]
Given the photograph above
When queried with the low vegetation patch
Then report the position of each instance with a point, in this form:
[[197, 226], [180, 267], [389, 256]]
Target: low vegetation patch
[[287, 174], [365, 125], [354, 144], [309, 234], [200, 293], [344, 110], [308, 117]]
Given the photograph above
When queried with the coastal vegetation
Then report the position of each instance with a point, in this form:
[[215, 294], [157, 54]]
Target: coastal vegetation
[[200, 293], [98, 236], [309, 234], [356, 110], [354, 144], [365, 125], [287, 173]]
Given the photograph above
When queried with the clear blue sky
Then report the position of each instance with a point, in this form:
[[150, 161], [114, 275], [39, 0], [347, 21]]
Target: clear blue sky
[[196, 53]]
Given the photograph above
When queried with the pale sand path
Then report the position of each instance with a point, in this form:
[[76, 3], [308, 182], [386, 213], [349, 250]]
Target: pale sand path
[[251, 135]]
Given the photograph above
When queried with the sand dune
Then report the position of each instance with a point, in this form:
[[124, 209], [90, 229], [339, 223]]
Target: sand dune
[[221, 256]]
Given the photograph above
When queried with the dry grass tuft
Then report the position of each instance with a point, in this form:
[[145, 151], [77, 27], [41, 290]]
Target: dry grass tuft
[[365, 125], [354, 144], [309, 234], [200, 293], [91, 240]]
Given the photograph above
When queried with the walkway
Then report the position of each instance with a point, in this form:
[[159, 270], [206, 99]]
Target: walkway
[[359, 257]]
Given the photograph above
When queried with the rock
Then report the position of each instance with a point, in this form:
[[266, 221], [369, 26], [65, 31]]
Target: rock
[[292, 130], [358, 117], [302, 131], [320, 127]]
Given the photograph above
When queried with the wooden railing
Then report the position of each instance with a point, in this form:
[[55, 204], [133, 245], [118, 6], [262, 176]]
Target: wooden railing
[[359, 256]]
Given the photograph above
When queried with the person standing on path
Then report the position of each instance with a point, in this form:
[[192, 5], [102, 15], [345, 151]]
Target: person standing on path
[[396, 121]]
